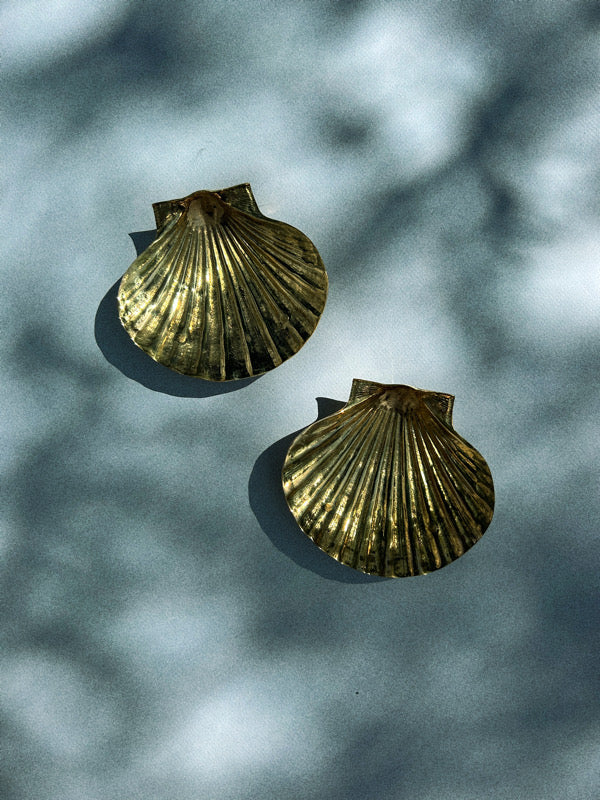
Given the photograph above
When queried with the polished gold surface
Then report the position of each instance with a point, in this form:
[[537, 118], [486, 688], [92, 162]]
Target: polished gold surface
[[223, 292], [386, 485]]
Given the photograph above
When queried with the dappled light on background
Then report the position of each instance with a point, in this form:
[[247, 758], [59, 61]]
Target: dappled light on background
[[169, 631]]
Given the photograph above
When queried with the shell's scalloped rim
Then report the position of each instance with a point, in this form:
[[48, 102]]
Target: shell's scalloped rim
[[402, 398], [245, 187], [240, 197]]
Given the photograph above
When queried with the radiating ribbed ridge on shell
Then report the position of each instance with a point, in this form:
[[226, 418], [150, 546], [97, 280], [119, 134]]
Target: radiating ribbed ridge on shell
[[386, 485], [223, 292]]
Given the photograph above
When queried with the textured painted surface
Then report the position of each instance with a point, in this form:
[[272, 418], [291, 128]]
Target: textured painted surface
[[168, 631]]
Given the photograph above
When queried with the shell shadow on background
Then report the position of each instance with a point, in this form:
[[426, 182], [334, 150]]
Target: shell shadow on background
[[386, 486], [268, 504], [223, 292], [120, 351]]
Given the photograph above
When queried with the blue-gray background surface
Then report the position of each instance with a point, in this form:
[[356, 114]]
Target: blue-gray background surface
[[168, 630]]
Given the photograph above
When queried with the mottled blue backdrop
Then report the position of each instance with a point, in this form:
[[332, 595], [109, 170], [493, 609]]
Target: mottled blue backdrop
[[168, 632]]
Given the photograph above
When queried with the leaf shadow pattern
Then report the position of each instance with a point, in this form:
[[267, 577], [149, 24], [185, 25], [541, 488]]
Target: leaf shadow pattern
[[119, 350], [267, 501]]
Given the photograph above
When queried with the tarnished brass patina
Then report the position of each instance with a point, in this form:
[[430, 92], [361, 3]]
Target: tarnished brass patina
[[223, 292], [386, 485]]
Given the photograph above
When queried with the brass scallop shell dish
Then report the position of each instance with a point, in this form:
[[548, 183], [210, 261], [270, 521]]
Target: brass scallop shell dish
[[386, 485], [223, 292]]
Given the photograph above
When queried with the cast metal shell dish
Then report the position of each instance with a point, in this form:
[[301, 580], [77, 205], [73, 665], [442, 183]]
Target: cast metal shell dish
[[386, 485], [223, 292]]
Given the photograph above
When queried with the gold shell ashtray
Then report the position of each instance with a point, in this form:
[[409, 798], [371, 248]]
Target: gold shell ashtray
[[386, 485], [223, 292]]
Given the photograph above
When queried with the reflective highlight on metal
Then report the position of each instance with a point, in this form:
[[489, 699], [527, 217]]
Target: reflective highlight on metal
[[386, 485], [223, 292]]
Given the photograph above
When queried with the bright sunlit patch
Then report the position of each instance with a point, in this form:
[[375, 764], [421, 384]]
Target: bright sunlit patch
[[415, 79], [35, 31], [560, 294], [253, 723]]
